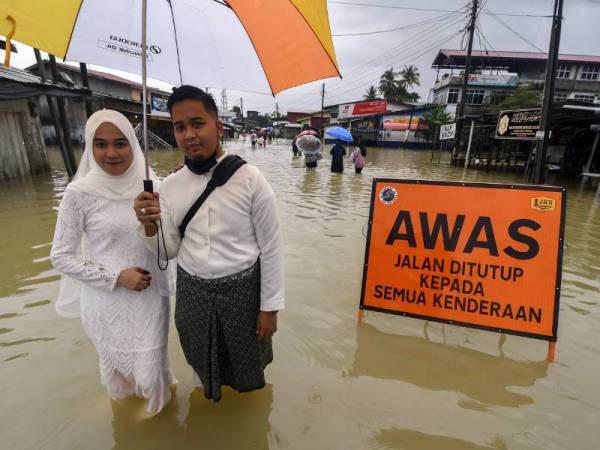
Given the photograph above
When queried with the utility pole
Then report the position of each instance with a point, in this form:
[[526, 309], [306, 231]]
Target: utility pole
[[277, 110], [224, 105], [460, 109], [322, 105], [551, 66], [242, 111]]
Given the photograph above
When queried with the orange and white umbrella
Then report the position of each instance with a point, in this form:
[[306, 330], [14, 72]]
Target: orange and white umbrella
[[258, 45]]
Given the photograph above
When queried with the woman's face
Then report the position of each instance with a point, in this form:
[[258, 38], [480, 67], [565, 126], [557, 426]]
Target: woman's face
[[112, 150]]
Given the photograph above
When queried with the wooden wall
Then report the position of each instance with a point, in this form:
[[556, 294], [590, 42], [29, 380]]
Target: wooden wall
[[22, 149]]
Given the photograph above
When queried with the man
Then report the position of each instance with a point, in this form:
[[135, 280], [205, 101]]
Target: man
[[230, 260]]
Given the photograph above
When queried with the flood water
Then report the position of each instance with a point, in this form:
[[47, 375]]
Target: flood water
[[390, 383]]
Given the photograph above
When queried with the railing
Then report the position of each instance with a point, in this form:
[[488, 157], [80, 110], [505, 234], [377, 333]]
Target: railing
[[154, 142]]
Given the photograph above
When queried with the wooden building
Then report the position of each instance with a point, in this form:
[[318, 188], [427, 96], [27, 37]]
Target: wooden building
[[22, 149]]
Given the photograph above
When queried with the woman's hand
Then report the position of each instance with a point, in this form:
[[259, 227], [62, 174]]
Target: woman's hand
[[134, 278]]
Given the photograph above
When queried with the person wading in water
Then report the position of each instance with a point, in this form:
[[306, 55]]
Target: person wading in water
[[230, 279]]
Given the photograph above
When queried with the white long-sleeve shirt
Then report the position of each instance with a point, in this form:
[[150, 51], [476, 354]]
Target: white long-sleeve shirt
[[237, 224]]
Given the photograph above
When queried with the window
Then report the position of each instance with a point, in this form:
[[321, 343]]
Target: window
[[564, 71], [584, 98], [590, 72], [453, 95], [474, 97], [560, 97], [437, 98]]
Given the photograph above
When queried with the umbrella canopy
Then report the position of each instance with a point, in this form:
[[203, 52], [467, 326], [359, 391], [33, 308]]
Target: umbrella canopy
[[339, 133], [308, 143], [258, 45]]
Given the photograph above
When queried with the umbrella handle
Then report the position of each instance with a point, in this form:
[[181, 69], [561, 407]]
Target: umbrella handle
[[148, 187]]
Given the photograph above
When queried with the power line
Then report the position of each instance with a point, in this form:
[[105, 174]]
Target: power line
[[390, 30], [410, 8], [507, 26]]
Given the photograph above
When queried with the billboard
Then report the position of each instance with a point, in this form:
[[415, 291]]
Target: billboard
[[158, 105], [491, 80], [362, 108], [474, 254], [522, 124], [402, 121]]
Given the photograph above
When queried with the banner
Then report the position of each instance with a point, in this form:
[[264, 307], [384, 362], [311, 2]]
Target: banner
[[447, 131], [522, 124], [479, 255], [402, 121], [362, 108], [158, 105]]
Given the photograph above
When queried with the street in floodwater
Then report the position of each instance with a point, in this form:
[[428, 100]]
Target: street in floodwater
[[391, 383]]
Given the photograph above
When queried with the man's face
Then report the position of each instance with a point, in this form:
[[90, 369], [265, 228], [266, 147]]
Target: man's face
[[197, 132]]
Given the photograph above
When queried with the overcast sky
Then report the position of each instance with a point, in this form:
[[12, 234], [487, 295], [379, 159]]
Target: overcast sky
[[363, 58]]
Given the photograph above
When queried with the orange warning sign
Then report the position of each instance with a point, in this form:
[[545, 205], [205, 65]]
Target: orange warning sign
[[474, 254]]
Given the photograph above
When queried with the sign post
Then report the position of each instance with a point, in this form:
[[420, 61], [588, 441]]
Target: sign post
[[479, 255]]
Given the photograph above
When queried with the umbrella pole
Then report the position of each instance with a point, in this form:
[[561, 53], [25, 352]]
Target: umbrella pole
[[147, 181]]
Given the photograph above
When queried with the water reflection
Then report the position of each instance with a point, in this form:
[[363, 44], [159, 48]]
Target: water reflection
[[440, 367], [413, 440], [239, 421]]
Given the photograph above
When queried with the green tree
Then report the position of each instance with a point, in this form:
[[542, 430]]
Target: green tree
[[410, 76], [434, 118], [370, 93], [238, 112], [388, 85], [526, 95], [394, 89]]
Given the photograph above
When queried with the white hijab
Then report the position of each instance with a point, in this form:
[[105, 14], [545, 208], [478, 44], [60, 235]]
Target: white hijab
[[92, 179]]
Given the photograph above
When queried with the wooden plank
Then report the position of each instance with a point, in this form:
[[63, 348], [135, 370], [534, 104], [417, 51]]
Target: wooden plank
[[19, 145], [8, 154]]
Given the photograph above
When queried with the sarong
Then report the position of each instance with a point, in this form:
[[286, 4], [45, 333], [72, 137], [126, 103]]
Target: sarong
[[216, 321]]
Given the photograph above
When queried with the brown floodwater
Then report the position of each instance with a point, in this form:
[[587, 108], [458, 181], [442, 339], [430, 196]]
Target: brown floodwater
[[390, 383]]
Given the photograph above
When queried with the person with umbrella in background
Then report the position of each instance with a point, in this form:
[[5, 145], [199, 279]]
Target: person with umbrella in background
[[309, 144], [230, 274], [338, 151]]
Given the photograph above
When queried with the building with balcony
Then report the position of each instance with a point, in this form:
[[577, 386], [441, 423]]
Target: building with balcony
[[577, 77]]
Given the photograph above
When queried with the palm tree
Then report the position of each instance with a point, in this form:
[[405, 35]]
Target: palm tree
[[388, 86], [410, 76], [370, 93]]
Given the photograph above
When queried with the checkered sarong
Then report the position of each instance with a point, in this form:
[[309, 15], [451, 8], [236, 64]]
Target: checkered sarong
[[216, 321]]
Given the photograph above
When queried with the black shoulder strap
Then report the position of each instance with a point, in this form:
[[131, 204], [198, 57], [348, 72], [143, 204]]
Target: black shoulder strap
[[221, 173]]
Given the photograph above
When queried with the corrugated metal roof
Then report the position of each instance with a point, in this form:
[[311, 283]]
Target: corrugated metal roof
[[18, 75]]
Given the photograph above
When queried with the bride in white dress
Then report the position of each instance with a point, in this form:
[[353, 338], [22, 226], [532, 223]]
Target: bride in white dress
[[109, 277]]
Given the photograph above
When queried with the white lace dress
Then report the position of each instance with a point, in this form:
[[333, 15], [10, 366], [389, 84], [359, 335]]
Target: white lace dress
[[129, 329]]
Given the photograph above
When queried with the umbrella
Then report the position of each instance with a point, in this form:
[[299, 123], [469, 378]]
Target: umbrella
[[308, 132], [258, 45], [308, 143], [339, 133]]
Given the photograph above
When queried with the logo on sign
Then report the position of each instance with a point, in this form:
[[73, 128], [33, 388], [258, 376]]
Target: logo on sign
[[503, 124], [388, 195], [155, 49], [543, 204]]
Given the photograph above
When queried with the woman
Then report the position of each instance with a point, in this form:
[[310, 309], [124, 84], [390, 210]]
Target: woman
[[108, 274], [358, 157], [337, 157]]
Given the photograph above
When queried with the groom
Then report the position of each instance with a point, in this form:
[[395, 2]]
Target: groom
[[230, 278]]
